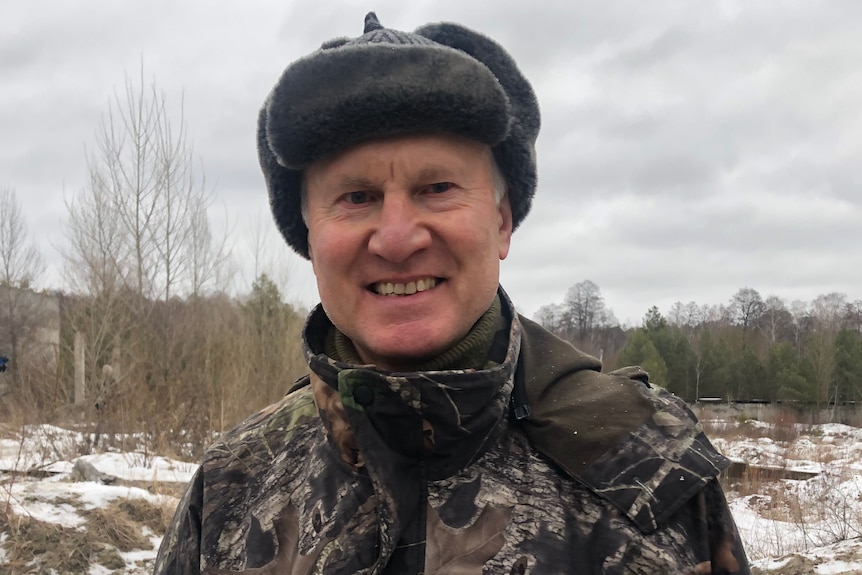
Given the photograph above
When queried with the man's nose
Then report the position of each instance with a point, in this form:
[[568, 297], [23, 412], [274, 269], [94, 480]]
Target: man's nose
[[401, 229]]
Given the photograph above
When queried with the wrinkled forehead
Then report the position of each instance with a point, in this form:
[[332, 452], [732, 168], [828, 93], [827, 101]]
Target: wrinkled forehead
[[422, 153]]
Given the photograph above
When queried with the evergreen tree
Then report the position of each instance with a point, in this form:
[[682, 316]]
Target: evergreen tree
[[716, 371], [639, 350], [274, 327], [787, 374], [750, 376], [675, 350], [848, 365], [653, 320]]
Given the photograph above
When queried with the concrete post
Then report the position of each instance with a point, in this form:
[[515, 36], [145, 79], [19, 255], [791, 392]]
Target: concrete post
[[80, 389]]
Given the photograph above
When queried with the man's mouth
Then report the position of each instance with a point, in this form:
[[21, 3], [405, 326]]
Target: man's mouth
[[409, 288]]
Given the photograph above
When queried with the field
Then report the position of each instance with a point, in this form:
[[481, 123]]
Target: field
[[795, 491]]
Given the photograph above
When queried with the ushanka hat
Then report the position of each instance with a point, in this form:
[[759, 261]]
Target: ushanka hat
[[442, 78]]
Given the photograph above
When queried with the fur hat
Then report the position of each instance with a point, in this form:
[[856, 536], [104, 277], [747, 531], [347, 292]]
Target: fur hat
[[440, 78]]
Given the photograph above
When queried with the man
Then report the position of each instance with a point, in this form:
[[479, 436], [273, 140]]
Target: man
[[438, 432]]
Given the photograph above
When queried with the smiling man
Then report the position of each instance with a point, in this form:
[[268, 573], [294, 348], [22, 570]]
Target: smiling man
[[405, 235], [437, 432]]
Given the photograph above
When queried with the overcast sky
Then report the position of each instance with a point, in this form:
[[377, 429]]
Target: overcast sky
[[688, 148]]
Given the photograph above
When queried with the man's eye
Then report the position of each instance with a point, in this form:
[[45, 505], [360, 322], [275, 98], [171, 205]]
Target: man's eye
[[357, 197], [440, 187]]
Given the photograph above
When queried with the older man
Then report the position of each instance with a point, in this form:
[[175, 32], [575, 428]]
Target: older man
[[438, 432]]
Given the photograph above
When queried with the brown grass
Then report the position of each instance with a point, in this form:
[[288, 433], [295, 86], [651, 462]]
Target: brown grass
[[141, 511], [58, 548], [784, 425], [114, 527], [106, 533], [821, 513], [745, 480]]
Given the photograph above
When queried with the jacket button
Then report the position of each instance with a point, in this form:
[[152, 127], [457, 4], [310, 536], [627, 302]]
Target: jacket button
[[363, 395]]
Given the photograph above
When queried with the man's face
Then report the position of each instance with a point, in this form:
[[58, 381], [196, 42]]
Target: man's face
[[406, 237]]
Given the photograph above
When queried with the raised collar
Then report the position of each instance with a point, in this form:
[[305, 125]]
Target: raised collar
[[445, 419]]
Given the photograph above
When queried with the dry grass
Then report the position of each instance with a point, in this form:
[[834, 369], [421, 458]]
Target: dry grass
[[780, 425], [748, 481], [142, 512], [817, 504], [58, 548], [107, 532], [113, 526]]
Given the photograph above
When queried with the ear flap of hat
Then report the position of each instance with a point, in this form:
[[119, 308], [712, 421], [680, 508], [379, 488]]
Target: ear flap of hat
[[516, 155], [284, 187]]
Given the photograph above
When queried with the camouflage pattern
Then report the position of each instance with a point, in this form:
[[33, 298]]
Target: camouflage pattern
[[358, 471]]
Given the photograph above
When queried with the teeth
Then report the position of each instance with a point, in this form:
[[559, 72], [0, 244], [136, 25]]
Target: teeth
[[389, 288]]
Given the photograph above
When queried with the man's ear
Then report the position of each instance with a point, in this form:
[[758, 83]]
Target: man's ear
[[505, 230], [311, 259]]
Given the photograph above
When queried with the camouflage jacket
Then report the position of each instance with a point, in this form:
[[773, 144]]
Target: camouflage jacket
[[361, 471]]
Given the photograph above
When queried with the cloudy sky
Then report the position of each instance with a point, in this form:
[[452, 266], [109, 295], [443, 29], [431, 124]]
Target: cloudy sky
[[689, 148]]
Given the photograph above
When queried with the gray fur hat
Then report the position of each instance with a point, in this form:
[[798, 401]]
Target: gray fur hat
[[440, 78]]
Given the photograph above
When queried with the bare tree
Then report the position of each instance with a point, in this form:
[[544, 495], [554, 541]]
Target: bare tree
[[801, 324], [586, 307], [827, 310], [852, 317], [746, 307], [552, 317], [98, 269], [20, 260], [689, 315], [775, 319], [139, 241], [94, 252], [676, 314], [144, 163], [209, 263], [20, 266], [266, 252]]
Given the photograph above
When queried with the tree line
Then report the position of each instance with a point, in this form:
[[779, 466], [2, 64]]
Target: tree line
[[750, 348]]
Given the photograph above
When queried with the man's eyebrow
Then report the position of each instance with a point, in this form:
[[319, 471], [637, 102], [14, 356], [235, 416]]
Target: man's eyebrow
[[355, 182], [436, 172]]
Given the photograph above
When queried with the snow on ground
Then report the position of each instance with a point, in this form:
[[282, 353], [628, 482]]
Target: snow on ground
[[58, 501], [133, 467], [53, 449], [795, 524], [803, 525], [35, 482], [842, 558]]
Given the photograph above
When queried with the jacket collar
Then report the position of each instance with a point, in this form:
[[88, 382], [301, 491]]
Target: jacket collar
[[445, 419]]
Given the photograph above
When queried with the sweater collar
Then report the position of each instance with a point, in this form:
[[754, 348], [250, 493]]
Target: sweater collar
[[470, 352]]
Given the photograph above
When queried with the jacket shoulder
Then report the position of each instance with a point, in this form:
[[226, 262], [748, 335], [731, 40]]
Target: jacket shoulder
[[629, 441], [574, 405], [659, 465]]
